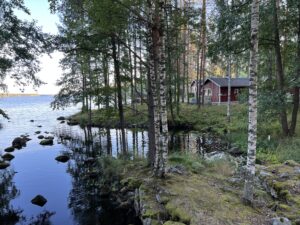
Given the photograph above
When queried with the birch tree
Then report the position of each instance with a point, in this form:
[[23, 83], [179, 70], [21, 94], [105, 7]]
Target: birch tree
[[252, 124]]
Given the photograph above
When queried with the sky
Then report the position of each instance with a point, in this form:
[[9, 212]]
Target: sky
[[50, 69]]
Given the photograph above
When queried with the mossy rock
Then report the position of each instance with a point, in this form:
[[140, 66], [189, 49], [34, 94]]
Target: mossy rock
[[151, 213], [8, 157], [62, 158], [9, 149], [177, 213], [46, 142], [4, 165], [173, 223]]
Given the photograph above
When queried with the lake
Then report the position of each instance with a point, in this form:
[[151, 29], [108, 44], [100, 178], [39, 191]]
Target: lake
[[34, 170]]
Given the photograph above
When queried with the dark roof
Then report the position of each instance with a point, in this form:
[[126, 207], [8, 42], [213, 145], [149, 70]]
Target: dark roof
[[223, 82]]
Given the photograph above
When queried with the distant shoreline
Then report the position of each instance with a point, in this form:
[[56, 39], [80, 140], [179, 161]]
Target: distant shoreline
[[20, 95]]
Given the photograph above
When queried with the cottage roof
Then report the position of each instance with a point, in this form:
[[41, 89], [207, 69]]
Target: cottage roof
[[223, 82]]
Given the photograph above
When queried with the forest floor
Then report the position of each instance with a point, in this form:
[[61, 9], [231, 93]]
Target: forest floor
[[212, 193]]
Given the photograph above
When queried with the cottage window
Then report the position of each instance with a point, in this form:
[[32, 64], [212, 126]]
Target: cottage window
[[208, 92]]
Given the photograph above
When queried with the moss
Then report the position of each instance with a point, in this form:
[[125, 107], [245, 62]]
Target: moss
[[177, 213], [131, 182], [284, 207], [151, 213], [173, 223]]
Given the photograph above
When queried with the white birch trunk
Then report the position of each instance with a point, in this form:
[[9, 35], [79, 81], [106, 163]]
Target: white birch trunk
[[252, 126]]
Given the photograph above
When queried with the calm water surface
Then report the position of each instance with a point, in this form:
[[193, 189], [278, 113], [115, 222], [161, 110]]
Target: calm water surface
[[35, 170]]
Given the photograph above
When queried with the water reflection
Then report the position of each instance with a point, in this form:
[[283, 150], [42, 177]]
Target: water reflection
[[91, 199], [8, 190]]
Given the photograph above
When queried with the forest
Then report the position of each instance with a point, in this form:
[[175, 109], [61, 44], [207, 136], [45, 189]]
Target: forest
[[146, 65]]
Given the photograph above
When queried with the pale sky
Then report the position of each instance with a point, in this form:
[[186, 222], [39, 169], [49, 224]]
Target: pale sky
[[50, 69]]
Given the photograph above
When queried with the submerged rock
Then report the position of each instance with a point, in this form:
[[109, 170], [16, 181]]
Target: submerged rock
[[62, 158], [4, 165], [61, 118], [46, 142], [280, 221], [40, 137], [8, 157], [39, 200], [9, 149]]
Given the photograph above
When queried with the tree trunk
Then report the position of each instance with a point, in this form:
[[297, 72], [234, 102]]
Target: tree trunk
[[252, 124], [119, 92], [229, 89], [296, 88], [280, 72]]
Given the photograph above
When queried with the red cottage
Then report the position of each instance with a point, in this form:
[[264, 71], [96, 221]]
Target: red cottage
[[216, 89]]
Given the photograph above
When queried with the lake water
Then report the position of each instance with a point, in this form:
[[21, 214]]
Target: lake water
[[70, 197]]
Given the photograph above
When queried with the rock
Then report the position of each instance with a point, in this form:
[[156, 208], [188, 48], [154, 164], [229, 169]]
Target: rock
[[19, 142], [31, 121], [39, 126], [40, 137], [179, 169], [61, 118], [65, 137], [37, 132], [62, 158], [284, 176], [49, 137], [297, 170], [280, 221], [62, 121], [46, 132], [72, 123], [214, 156], [4, 165], [9, 149], [235, 151], [46, 142], [39, 200], [263, 174], [8, 157]]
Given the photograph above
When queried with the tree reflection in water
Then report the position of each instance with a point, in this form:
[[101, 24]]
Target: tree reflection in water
[[91, 198], [8, 191]]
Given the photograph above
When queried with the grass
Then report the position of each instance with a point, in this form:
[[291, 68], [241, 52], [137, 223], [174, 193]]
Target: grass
[[213, 119]]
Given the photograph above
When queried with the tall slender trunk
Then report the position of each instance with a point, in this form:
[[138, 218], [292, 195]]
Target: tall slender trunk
[[252, 124], [119, 92], [280, 72], [229, 89], [297, 76], [203, 48], [106, 80]]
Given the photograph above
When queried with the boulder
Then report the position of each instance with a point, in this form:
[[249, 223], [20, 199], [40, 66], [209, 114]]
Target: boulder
[[62, 158], [8, 157], [19, 142], [46, 142], [9, 149], [39, 200], [235, 151], [40, 137], [4, 165], [31, 121], [39, 126], [280, 221], [37, 132], [61, 118]]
